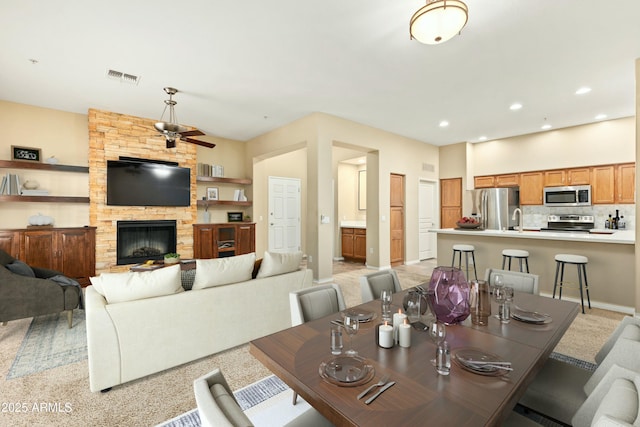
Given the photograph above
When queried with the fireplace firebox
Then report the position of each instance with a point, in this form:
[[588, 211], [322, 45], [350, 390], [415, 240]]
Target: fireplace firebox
[[139, 241]]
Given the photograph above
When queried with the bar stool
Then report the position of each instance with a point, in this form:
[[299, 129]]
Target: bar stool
[[581, 262], [467, 250], [518, 254]]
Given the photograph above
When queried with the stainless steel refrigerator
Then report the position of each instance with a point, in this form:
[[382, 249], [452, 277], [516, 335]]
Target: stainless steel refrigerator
[[494, 207]]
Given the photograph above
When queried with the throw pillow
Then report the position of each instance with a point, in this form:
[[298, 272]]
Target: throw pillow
[[223, 271], [279, 263], [131, 286], [19, 267]]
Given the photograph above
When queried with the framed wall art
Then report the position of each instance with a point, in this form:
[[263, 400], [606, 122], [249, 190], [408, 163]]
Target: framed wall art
[[212, 193], [234, 216], [26, 154]]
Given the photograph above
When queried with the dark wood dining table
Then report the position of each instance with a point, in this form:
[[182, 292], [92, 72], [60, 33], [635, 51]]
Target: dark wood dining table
[[420, 396]]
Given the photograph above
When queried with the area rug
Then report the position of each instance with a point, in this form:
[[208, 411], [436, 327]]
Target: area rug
[[267, 402], [50, 343]]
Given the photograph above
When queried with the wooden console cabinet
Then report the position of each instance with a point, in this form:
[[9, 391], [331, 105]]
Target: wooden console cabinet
[[71, 251], [222, 240], [354, 244]]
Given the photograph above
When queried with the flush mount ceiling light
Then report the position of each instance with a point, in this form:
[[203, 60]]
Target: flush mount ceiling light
[[438, 21]]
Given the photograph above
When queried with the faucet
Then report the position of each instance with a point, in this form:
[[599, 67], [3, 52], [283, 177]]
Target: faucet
[[520, 226]]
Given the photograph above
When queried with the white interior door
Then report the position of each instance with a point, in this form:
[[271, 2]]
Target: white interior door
[[427, 211], [284, 214]]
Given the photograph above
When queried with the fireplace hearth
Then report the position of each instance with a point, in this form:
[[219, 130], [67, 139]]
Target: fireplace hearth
[[139, 241]]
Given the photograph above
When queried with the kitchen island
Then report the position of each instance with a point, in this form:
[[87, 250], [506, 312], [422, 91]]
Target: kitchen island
[[611, 268]]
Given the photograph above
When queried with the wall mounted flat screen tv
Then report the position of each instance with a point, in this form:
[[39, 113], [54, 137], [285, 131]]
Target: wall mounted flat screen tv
[[141, 182]]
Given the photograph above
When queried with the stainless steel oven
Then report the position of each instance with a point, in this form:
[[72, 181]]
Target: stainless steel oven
[[577, 195]]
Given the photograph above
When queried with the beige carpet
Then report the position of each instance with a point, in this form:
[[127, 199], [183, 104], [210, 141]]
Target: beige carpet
[[61, 396]]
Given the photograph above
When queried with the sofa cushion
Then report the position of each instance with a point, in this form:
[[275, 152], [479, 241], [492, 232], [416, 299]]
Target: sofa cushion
[[279, 263], [223, 271], [121, 287], [19, 267], [631, 332], [619, 404]]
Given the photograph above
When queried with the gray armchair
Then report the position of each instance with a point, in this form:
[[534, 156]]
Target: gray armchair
[[217, 406], [28, 291]]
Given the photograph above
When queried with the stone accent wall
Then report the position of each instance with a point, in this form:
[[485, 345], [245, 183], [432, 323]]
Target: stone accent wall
[[112, 135]]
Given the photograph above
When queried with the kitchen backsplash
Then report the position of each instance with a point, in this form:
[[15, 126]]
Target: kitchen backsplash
[[536, 216]]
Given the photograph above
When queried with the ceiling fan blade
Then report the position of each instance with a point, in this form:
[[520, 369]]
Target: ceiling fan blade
[[202, 143], [194, 132]]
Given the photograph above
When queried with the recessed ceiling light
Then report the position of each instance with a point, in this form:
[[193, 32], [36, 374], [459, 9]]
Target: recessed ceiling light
[[515, 106], [482, 138], [546, 126], [583, 90], [444, 124], [601, 116]]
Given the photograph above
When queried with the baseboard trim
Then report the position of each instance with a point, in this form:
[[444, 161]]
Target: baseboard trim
[[597, 304]]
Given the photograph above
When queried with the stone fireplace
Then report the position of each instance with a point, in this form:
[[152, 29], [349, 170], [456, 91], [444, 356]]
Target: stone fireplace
[[139, 241]]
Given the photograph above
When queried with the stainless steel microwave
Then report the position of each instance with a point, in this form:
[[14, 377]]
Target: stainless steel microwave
[[577, 195]]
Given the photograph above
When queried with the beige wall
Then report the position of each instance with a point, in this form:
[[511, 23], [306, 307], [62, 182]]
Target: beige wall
[[599, 143], [56, 133]]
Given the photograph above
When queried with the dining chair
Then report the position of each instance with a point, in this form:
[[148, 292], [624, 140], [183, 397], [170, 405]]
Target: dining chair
[[218, 407], [521, 282], [371, 285], [560, 388], [313, 303]]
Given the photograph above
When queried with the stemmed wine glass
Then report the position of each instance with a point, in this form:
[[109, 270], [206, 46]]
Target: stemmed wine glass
[[351, 325], [385, 297], [437, 332]]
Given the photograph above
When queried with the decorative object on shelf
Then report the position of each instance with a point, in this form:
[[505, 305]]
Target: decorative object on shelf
[[26, 154], [52, 160], [206, 216], [172, 130], [212, 193], [438, 21], [239, 196], [171, 258], [40, 219], [234, 216], [450, 296], [247, 218], [30, 184]]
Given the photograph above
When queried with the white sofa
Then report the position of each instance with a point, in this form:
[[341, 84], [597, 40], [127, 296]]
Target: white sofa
[[131, 333]]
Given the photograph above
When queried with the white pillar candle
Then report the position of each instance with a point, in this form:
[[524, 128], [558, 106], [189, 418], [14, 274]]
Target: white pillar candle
[[385, 335], [398, 319], [404, 334]]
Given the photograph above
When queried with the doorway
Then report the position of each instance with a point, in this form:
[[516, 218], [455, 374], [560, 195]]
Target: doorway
[[427, 219], [396, 219], [284, 214]]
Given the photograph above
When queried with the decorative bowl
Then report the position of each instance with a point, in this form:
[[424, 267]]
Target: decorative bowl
[[468, 224]]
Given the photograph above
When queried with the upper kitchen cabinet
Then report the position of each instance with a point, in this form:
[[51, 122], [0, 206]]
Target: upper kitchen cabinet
[[507, 180], [531, 188], [626, 183], [603, 185], [562, 177], [484, 181]]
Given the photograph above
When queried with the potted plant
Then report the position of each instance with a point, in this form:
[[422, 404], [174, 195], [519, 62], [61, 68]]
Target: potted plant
[[171, 258]]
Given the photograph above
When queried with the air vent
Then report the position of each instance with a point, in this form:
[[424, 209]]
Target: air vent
[[123, 77]]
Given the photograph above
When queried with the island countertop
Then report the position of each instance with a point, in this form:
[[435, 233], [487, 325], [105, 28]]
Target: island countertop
[[625, 237]]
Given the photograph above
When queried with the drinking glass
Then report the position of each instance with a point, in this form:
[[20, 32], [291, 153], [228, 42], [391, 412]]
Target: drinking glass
[[442, 361], [385, 298], [413, 307], [504, 310], [498, 292], [437, 332], [351, 325]]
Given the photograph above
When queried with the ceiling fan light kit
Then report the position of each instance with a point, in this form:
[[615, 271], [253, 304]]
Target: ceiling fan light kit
[[172, 130], [438, 21]]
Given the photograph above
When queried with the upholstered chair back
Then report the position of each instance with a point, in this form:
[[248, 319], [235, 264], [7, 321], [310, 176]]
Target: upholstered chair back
[[315, 302], [371, 285], [521, 282]]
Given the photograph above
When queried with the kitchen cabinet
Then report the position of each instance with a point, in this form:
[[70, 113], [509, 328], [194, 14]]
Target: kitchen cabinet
[[68, 250], [223, 240], [563, 177], [484, 181], [450, 202], [625, 183], [531, 188], [507, 180], [603, 185], [354, 244]]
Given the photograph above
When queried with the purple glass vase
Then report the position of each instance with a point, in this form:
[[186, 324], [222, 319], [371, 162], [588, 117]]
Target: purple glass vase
[[449, 294]]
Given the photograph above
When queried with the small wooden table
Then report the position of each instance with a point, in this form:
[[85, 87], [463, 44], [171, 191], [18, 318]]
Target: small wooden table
[[420, 395]]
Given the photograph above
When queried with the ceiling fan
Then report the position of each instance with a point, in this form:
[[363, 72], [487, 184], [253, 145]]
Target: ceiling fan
[[172, 130]]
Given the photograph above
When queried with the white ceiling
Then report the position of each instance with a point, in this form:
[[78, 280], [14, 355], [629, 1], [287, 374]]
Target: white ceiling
[[246, 67]]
